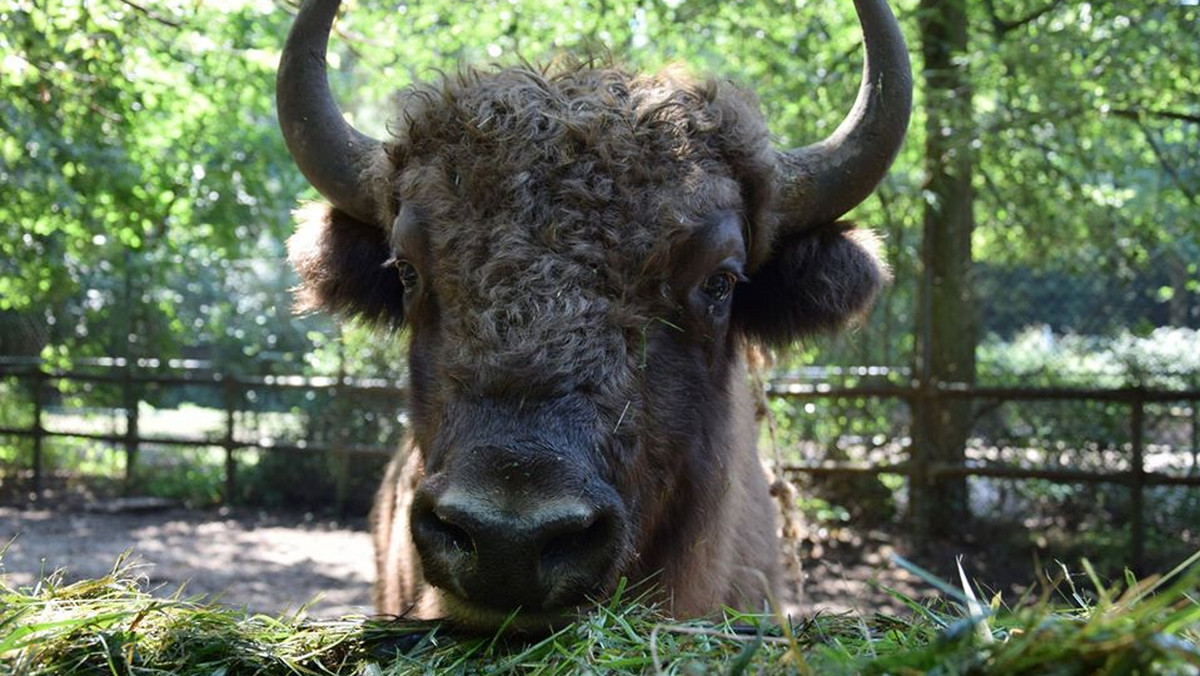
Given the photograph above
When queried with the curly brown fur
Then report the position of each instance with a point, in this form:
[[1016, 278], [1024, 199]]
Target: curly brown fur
[[341, 263], [816, 281], [557, 163], [562, 224]]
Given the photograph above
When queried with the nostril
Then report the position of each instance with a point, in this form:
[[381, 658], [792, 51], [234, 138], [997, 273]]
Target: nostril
[[442, 534], [579, 543]]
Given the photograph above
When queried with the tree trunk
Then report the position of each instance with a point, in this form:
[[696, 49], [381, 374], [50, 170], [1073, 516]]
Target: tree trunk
[[1179, 307], [946, 314]]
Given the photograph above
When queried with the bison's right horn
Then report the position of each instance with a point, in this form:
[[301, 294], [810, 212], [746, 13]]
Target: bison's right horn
[[329, 152], [820, 182]]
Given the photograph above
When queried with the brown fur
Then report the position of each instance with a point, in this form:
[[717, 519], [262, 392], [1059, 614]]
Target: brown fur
[[563, 223]]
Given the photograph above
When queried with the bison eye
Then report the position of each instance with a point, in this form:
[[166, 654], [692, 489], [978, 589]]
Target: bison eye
[[408, 275], [718, 286]]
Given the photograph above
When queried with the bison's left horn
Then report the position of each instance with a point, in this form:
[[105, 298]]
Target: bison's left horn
[[329, 152], [821, 182]]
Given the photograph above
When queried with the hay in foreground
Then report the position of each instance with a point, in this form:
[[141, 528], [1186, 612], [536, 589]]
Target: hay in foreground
[[112, 625]]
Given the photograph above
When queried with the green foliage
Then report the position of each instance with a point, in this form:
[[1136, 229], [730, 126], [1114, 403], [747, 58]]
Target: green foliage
[[1167, 358], [1083, 142], [147, 191], [111, 625], [358, 352], [193, 476], [311, 481], [139, 158], [15, 407]]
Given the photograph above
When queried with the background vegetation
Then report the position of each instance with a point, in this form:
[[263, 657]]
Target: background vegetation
[[145, 197], [145, 185]]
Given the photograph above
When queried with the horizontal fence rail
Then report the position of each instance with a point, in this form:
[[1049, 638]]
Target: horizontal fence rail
[[233, 388], [1136, 478], [136, 377]]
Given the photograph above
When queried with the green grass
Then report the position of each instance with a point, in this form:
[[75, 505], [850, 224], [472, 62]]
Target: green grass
[[113, 626]]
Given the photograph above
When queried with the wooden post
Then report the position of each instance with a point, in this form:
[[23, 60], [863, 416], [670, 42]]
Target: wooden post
[[1195, 406], [1137, 485], [946, 308], [229, 389], [130, 394], [343, 408], [39, 381], [131, 425], [920, 506]]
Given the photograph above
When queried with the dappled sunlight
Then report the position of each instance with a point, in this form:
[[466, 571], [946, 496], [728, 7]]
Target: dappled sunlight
[[264, 564], [848, 575], [1022, 399]]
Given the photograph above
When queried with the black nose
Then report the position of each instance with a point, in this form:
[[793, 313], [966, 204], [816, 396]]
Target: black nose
[[507, 551]]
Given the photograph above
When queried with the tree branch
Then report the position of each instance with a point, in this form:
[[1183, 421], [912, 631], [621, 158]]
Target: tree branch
[[1003, 27], [1167, 166], [152, 15], [1067, 113], [1137, 114]]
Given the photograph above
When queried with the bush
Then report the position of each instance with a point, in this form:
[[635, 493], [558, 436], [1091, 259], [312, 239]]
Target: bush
[[1166, 358]]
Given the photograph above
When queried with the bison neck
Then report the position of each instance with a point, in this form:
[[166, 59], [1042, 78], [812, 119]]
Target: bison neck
[[717, 543]]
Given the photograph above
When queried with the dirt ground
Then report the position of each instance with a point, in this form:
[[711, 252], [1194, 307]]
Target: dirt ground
[[278, 562], [267, 563]]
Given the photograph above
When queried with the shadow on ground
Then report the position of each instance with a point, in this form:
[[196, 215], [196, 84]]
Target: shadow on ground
[[268, 563], [279, 562]]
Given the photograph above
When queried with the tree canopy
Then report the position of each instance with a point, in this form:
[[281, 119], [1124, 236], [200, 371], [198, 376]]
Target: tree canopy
[[146, 193]]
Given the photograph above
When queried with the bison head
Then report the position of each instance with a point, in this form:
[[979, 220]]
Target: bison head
[[578, 254]]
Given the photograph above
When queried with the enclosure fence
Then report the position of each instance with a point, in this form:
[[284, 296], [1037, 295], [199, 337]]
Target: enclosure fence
[[240, 395], [919, 469], [134, 377]]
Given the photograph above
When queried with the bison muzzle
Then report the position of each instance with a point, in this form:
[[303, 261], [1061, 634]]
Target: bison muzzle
[[580, 256]]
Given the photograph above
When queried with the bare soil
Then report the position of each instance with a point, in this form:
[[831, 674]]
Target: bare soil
[[269, 563], [277, 563]]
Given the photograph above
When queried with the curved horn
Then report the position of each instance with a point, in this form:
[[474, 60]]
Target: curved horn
[[820, 182], [329, 152]]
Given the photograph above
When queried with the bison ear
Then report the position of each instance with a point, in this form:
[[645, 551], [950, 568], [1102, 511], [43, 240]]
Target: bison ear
[[814, 281], [342, 266]]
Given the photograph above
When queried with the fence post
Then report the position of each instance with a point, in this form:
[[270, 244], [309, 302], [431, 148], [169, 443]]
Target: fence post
[[229, 390], [342, 406], [131, 425], [129, 392], [39, 381], [1195, 406], [1137, 484], [919, 506]]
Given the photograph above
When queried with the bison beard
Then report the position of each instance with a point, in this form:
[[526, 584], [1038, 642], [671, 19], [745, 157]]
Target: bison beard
[[579, 256]]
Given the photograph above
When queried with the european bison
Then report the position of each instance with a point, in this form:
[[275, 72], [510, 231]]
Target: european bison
[[580, 255]]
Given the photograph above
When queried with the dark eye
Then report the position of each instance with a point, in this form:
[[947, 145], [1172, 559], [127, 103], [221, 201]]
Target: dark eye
[[719, 286], [408, 275]]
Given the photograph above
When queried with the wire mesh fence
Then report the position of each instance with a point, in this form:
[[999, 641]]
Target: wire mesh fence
[[1081, 412]]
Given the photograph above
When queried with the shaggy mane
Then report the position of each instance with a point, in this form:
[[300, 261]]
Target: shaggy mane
[[589, 119]]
